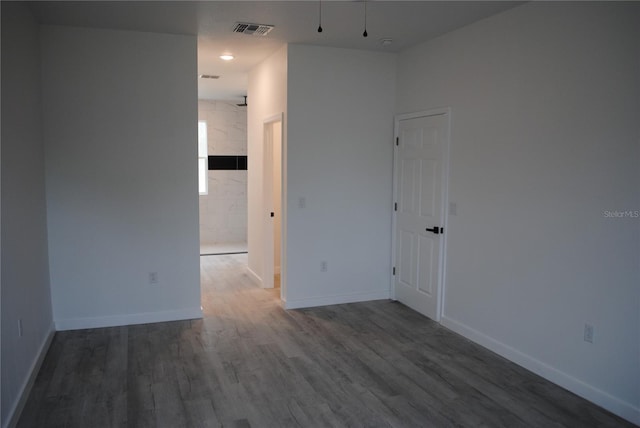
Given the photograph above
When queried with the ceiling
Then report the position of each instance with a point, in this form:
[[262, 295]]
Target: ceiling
[[405, 22]]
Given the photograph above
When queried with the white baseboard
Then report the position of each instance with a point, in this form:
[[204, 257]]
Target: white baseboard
[[254, 276], [615, 405], [128, 319], [16, 411], [336, 299]]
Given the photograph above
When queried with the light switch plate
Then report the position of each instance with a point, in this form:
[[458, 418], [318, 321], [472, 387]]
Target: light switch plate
[[453, 208]]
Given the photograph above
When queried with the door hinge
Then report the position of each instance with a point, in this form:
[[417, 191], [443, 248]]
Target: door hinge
[[397, 141], [395, 206], [394, 270]]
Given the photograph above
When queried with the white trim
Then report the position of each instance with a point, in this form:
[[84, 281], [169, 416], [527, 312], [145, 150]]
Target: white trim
[[128, 319], [254, 277], [439, 111], [336, 299], [283, 212], [615, 405], [436, 111], [445, 212], [394, 200], [18, 406], [278, 117], [206, 181]]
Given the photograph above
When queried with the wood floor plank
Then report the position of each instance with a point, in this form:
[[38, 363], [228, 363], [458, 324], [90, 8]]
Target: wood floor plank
[[250, 363]]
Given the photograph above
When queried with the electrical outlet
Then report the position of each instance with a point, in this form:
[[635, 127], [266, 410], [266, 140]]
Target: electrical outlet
[[302, 202], [20, 329], [153, 278], [324, 266], [588, 333]]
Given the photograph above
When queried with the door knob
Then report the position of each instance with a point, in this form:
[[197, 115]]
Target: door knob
[[436, 230]]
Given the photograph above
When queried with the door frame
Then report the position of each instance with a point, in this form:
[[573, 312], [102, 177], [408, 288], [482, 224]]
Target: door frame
[[267, 195], [445, 202]]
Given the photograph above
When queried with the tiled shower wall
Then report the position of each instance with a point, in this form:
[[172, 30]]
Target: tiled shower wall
[[223, 212]]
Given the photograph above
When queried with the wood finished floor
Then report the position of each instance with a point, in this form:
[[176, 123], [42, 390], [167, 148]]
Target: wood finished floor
[[249, 363]]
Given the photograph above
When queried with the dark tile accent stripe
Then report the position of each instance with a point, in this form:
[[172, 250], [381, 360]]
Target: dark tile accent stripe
[[242, 162], [227, 163]]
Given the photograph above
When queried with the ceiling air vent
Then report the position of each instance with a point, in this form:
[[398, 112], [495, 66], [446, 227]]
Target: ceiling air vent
[[252, 29], [208, 76]]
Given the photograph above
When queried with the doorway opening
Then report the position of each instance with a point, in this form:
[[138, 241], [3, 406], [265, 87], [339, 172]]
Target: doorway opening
[[273, 203], [222, 164]]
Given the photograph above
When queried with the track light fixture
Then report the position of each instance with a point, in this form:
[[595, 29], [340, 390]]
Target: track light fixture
[[365, 19], [320, 29]]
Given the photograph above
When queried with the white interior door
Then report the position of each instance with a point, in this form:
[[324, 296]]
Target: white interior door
[[267, 194], [272, 194], [420, 183], [277, 196]]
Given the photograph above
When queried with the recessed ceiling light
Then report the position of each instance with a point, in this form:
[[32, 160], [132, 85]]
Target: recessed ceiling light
[[227, 57]]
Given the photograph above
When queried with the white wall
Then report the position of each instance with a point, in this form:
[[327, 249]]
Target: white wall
[[545, 104], [120, 126], [223, 211], [339, 159], [25, 268], [267, 96]]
